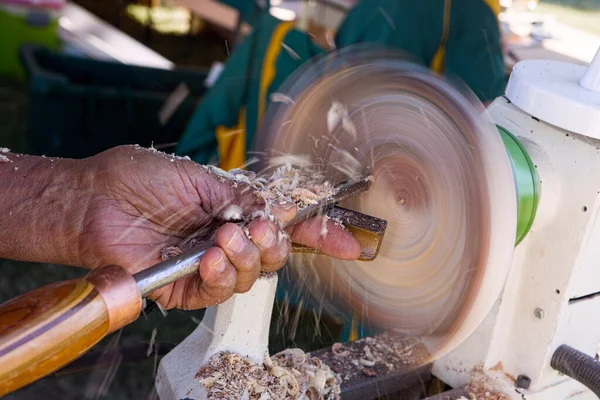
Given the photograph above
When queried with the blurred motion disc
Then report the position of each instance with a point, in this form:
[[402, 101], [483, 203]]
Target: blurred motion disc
[[442, 180]]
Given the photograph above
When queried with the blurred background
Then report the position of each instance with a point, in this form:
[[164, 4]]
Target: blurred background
[[78, 77]]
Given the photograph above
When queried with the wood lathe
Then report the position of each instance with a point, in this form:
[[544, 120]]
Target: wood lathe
[[490, 253], [489, 256]]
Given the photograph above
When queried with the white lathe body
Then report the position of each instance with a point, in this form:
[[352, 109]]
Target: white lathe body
[[552, 293]]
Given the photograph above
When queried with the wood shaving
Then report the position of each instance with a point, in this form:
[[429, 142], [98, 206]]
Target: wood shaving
[[367, 363], [387, 18], [152, 341], [378, 355], [162, 310], [335, 349], [349, 127], [324, 229], [368, 354], [173, 102], [301, 186], [348, 165], [368, 372], [4, 159], [233, 213], [338, 222], [337, 114], [292, 181], [282, 236], [170, 252], [4, 150], [281, 98], [290, 374], [290, 51]]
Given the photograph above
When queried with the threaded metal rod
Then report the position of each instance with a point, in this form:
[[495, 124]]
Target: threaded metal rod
[[579, 366]]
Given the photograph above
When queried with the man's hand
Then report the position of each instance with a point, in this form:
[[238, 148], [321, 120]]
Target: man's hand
[[131, 203]]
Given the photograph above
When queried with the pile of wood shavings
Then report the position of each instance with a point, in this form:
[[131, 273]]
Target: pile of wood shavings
[[478, 391], [290, 374], [293, 181], [484, 396], [482, 387], [375, 356]]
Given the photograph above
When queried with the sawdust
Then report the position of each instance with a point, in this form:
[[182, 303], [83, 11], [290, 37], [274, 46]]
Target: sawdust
[[189, 243], [373, 356], [293, 181], [483, 387], [481, 393], [266, 275], [170, 252], [152, 149], [290, 374], [478, 391]]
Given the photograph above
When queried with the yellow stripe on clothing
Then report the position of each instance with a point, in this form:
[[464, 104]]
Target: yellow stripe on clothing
[[437, 63], [268, 69], [231, 143], [494, 5]]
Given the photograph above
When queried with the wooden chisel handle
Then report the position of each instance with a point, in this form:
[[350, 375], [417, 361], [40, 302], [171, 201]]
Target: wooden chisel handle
[[43, 330]]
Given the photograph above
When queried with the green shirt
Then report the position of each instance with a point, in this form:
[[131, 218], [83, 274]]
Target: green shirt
[[225, 121], [458, 37], [466, 32]]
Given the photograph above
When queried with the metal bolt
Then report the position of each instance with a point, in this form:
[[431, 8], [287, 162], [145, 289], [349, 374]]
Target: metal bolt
[[539, 313], [523, 382]]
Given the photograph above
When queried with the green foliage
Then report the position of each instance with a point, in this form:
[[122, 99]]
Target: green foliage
[[579, 4], [584, 20]]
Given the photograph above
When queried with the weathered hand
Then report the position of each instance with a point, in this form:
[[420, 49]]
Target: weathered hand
[[143, 201]]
